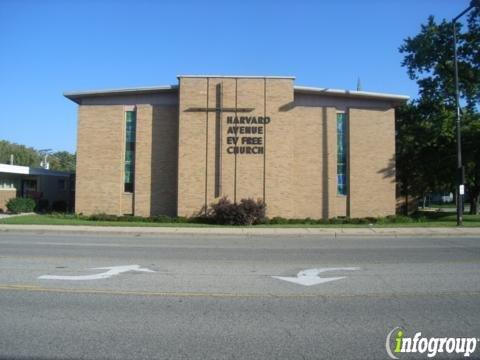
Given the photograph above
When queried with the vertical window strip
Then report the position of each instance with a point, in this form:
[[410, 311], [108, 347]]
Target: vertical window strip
[[341, 155], [130, 128]]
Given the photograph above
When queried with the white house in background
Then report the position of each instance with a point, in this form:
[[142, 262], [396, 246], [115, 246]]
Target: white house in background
[[37, 183]]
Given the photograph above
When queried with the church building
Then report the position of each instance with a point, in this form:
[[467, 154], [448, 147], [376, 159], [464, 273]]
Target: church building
[[175, 150]]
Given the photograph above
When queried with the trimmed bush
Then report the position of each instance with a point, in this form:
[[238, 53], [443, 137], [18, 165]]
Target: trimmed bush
[[21, 205], [247, 212], [253, 211]]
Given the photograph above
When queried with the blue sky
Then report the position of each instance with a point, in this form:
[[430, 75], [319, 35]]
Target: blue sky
[[48, 47]]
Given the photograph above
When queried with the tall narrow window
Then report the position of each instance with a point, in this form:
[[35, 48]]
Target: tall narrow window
[[341, 154], [130, 127]]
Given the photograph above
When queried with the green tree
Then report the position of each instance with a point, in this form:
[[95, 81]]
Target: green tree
[[28, 156], [22, 155], [62, 161], [426, 127], [409, 165]]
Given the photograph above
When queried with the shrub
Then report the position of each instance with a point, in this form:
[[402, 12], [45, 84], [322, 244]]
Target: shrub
[[205, 219], [126, 218], [247, 212], [395, 219], [277, 220], [102, 217], [253, 212], [358, 221], [132, 218], [224, 212], [163, 219], [20, 205], [184, 220]]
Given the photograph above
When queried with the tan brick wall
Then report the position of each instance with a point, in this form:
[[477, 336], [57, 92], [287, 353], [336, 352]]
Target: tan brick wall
[[300, 160], [6, 195], [192, 151], [100, 152], [164, 160], [143, 161], [308, 162], [197, 157], [315, 163], [341, 206], [279, 147], [300, 143], [226, 168], [371, 162], [100, 160], [126, 204], [250, 94]]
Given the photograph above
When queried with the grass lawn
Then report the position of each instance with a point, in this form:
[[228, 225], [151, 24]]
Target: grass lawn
[[443, 206], [426, 219], [55, 220]]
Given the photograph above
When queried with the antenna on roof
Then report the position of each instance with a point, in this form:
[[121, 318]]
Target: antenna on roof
[[44, 163], [359, 85]]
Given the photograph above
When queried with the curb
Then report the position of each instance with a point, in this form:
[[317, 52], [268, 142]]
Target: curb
[[395, 232]]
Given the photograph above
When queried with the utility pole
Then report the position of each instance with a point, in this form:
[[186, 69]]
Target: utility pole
[[460, 169]]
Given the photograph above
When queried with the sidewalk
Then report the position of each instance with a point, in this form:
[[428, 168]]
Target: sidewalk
[[405, 231]]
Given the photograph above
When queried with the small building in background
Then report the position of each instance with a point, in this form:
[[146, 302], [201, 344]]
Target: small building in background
[[52, 190]]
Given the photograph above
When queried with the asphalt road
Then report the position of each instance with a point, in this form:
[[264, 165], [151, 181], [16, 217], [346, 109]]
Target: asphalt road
[[214, 297]]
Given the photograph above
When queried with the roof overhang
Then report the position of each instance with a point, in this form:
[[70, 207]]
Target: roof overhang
[[237, 76], [26, 170], [351, 94], [76, 96]]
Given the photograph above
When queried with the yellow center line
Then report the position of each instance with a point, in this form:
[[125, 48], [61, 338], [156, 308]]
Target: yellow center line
[[35, 288]]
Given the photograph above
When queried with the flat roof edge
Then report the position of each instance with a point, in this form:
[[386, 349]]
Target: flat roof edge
[[237, 76], [351, 93], [72, 95], [27, 170], [77, 95]]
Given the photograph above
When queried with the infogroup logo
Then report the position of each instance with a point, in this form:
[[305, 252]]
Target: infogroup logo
[[433, 346]]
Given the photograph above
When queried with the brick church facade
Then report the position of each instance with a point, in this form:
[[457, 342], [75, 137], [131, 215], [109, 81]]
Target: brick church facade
[[174, 150]]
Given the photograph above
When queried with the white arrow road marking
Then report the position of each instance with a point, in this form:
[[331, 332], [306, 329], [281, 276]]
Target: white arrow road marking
[[112, 271], [310, 277]]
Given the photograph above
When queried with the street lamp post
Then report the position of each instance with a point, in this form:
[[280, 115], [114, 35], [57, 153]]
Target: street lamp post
[[461, 173]]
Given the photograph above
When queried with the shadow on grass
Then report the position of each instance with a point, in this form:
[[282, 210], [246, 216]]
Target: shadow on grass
[[443, 216]]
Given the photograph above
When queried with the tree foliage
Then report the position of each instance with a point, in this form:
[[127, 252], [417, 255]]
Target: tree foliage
[[426, 137], [62, 161], [28, 156], [22, 155]]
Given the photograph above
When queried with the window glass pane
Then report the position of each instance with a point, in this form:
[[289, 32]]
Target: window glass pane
[[130, 146], [341, 155], [8, 184], [130, 129], [128, 187], [128, 173], [129, 156]]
